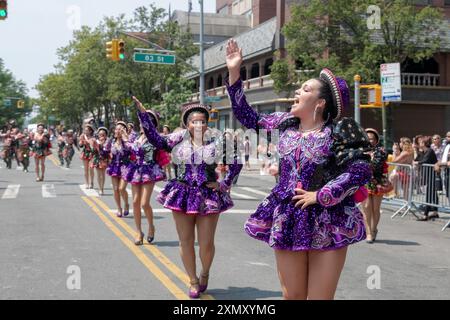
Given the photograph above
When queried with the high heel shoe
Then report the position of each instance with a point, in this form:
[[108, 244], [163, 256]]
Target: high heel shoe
[[375, 233], [140, 242], [127, 211], [119, 214], [194, 291], [202, 287], [151, 238]]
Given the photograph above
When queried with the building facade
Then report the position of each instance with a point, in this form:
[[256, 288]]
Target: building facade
[[425, 86]]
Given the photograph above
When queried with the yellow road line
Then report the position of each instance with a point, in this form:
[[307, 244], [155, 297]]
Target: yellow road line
[[154, 269], [53, 159], [153, 249]]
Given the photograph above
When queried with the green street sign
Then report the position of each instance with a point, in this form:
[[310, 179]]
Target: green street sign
[[155, 58], [213, 99], [7, 102]]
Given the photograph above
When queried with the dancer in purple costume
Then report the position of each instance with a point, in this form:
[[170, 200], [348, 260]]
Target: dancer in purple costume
[[195, 196], [310, 217], [142, 174], [132, 135], [118, 167]]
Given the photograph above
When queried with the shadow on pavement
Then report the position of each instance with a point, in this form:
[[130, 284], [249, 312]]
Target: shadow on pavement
[[169, 243], [398, 243], [244, 293]]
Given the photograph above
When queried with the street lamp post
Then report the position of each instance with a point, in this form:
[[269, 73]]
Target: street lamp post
[[357, 80], [202, 55]]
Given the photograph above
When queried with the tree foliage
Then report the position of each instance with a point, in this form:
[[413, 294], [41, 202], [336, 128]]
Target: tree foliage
[[10, 87], [86, 84], [336, 34]]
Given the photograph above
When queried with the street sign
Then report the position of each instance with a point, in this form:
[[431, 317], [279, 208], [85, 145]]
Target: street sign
[[391, 84], [7, 102], [212, 99], [154, 58]]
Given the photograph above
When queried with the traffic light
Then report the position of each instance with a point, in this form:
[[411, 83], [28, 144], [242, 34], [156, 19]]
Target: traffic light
[[213, 115], [112, 52], [121, 49], [3, 9], [373, 96], [20, 104]]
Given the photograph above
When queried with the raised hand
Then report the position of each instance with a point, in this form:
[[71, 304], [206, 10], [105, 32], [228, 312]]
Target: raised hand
[[139, 104], [234, 60]]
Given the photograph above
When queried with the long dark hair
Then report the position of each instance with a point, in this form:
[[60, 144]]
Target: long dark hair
[[330, 111]]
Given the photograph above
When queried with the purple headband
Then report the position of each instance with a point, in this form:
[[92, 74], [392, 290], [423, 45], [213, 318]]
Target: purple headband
[[339, 89], [187, 109]]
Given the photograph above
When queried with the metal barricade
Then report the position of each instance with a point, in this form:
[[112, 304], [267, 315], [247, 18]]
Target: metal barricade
[[431, 189], [445, 178], [401, 178]]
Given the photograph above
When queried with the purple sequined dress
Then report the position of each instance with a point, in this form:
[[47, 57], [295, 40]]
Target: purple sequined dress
[[120, 159], [188, 193], [331, 162], [144, 169]]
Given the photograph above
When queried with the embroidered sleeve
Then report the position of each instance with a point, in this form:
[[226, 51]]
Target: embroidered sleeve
[[356, 174]]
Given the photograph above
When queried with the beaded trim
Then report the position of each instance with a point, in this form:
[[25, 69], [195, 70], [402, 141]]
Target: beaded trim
[[328, 76]]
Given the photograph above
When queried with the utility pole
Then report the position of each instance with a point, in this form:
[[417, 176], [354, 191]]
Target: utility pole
[[202, 55], [357, 80]]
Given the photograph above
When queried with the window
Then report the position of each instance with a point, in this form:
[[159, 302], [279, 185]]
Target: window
[[211, 83], [243, 73], [254, 73], [219, 81], [267, 66]]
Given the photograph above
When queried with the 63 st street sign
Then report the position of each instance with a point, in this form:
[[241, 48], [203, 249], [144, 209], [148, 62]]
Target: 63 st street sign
[[155, 58]]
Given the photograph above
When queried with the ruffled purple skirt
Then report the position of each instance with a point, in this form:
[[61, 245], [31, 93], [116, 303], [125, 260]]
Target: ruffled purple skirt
[[141, 174], [285, 227], [117, 170], [202, 200]]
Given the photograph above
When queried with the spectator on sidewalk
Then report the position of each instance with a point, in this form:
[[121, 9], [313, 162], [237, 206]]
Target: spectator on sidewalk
[[429, 178], [447, 139], [400, 175], [444, 164], [437, 146]]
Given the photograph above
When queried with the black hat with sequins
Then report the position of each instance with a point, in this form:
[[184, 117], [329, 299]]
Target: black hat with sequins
[[339, 90]]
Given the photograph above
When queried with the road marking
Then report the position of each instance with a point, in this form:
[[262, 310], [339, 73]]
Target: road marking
[[153, 249], [53, 159], [159, 210], [240, 195], [89, 192], [48, 191], [261, 264], [19, 168], [153, 268], [11, 191], [262, 193]]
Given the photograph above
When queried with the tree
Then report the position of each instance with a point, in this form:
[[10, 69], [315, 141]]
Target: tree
[[336, 34], [86, 84], [10, 87]]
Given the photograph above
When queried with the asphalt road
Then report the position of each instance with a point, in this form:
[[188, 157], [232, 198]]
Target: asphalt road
[[59, 242]]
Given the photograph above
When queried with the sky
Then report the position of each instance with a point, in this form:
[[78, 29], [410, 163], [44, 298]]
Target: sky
[[34, 30]]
